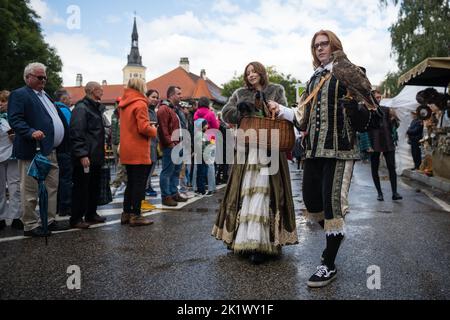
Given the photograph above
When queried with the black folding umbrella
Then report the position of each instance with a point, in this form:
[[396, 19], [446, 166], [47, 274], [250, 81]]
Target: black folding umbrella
[[39, 169]]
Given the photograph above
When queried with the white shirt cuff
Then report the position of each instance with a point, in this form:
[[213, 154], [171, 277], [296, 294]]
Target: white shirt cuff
[[286, 114]]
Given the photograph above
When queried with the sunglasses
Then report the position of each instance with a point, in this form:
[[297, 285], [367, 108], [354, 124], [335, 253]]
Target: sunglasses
[[322, 44], [40, 78]]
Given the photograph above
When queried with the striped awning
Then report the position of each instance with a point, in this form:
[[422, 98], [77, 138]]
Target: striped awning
[[431, 72]]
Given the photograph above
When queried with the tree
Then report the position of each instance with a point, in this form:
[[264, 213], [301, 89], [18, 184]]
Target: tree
[[21, 42], [422, 31], [287, 81]]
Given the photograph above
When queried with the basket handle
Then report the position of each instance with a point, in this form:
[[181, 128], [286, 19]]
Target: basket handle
[[273, 114]]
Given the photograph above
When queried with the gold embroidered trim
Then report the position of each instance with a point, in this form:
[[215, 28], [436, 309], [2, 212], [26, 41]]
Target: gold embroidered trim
[[255, 190], [255, 246], [313, 217], [254, 218], [335, 226]]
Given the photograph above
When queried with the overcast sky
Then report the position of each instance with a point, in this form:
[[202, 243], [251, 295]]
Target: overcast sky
[[220, 36]]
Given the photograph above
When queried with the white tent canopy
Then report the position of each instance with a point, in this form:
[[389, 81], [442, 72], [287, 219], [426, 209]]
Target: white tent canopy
[[404, 103]]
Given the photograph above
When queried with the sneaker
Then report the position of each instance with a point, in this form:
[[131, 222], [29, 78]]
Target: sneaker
[[169, 202], [189, 195], [147, 206], [210, 193], [139, 221], [151, 193], [322, 277], [200, 193], [396, 196], [179, 198]]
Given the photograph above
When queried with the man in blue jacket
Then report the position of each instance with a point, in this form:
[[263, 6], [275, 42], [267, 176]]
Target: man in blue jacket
[[36, 121]]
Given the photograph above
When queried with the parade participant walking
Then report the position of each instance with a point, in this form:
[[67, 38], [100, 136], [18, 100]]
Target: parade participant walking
[[331, 151], [135, 134], [87, 134], [257, 216], [382, 140]]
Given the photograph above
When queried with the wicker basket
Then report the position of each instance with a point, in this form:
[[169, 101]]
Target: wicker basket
[[284, 127]]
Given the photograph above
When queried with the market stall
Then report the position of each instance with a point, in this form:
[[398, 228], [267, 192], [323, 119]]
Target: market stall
[[435, 72]]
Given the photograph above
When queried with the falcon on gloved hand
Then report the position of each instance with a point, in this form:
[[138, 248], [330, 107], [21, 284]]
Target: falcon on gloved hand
[[354, 79]]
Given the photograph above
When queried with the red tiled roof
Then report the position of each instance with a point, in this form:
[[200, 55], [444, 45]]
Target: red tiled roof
[[192, 86], [202, 90], [110, 93]]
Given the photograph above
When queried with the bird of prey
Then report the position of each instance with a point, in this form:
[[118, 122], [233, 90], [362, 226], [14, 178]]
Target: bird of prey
[[354, 79]]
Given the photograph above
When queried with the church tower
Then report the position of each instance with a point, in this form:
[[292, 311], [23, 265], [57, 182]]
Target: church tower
[[134, 68]]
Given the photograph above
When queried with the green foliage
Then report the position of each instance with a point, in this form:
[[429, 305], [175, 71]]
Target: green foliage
[[21, 42], [287, 81], [422, 31]]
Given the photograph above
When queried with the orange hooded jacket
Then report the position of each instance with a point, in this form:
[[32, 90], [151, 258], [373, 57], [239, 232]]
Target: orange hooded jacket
[[135, 129]]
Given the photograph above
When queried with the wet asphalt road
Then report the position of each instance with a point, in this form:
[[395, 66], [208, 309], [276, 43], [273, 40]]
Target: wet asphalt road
[[176, 258]]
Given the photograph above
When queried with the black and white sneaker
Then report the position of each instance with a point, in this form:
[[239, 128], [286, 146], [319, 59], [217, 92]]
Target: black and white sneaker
[[322, 277]]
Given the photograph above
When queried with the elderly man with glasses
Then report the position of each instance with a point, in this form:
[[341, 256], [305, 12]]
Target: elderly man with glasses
[[37, 122]]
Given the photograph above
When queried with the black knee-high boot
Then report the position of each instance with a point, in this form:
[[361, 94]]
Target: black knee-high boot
[[333, 244]]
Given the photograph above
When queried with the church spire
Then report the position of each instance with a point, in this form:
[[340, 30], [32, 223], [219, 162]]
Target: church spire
[[135, 35], [134, 58], [134, 67]]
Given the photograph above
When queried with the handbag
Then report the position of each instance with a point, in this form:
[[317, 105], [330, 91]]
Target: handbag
[[105, 196]]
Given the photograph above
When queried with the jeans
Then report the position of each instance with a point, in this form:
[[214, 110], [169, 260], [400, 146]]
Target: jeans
[[201, 177], [211, 177], [149, 179], [170, 175]]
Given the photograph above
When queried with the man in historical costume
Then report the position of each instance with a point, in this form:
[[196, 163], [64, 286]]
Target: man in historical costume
[[331, 122]]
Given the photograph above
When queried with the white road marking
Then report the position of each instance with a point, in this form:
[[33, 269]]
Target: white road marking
[[113, 212], [441, 203]]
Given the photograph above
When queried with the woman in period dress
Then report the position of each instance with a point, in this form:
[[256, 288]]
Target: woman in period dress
[[257, 213]]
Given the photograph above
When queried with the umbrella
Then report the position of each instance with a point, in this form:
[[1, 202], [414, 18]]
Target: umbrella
[[39, 169]]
